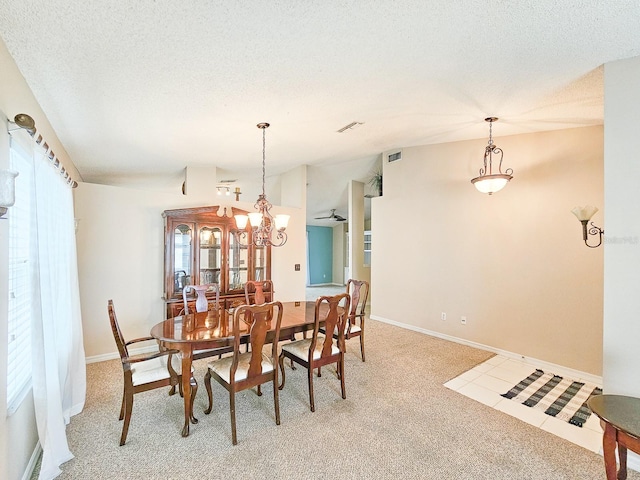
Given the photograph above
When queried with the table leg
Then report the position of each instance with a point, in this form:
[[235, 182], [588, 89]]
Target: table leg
[[186, 390], [609, 450], [622, 457]]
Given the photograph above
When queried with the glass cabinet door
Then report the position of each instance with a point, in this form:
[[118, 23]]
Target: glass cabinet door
[[238, 262], [259, 264], [183, 257], [210, 255]]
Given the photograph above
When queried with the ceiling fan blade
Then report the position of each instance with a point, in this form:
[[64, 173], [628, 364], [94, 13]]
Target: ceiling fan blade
[[333, 216]]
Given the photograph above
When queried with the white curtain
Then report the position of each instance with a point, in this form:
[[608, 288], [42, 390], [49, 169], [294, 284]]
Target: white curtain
[[59, 376]]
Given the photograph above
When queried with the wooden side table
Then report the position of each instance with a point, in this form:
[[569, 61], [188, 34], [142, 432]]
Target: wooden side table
[[620, 418]]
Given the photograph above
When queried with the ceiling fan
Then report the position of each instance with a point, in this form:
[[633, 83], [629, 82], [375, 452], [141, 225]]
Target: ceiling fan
[[333, 215]]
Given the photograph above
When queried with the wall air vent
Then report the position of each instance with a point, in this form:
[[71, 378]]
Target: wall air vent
[[395, 156]]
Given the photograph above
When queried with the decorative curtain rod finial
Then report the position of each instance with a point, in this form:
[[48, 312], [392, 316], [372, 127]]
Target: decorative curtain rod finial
[[22, 120]]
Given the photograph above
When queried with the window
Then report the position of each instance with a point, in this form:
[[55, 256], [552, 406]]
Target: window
[[367, 248], [20, 281]]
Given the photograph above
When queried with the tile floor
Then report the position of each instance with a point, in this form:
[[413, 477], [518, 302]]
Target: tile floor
[[315, 291], [487, 381]]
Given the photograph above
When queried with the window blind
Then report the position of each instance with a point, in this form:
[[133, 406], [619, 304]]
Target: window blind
[[20, 281]]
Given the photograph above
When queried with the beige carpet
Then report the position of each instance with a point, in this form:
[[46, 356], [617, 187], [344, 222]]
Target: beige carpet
[[398, 421]]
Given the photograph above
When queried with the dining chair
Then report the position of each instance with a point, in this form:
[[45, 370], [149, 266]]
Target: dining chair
[[261, 291], [359, 291], [250, 369], [257, 292], [145, 372], [321, 350], [354, 327], [203, 305]]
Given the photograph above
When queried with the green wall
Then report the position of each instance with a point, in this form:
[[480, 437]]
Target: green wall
[[320, 254]]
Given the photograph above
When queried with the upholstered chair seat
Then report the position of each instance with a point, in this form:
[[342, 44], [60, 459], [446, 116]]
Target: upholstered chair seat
[[300, 348], [223, 366], [155, 369]]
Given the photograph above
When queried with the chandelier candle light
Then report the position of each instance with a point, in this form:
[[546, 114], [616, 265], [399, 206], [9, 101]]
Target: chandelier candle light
[[262, 222], [489, 182]]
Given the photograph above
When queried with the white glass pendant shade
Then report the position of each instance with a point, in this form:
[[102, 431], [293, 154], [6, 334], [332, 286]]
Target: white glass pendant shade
[[281, 221], [241, 221], [255, 218], [491, 183]]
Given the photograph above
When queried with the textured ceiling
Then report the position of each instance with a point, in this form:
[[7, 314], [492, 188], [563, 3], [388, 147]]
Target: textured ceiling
[[138, 90]]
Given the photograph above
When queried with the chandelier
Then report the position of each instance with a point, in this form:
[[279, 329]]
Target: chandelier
[[263, 224], [489, 182]]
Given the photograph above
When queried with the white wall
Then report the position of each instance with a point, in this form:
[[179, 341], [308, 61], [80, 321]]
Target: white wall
[[357, 268], [338, 263], [121, 257], [513, 263], [622, 249]]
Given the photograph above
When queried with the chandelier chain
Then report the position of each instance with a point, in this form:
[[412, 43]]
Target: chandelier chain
[[264, 142]]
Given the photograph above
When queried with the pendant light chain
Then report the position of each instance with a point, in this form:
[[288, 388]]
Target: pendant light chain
[[491, 132]]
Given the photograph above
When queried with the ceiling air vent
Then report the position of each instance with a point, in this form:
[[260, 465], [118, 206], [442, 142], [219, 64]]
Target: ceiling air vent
[[351, 126], [394, 157]]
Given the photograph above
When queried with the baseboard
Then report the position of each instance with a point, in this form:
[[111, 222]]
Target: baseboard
[[115, 355], [37, 451], [547, 366]]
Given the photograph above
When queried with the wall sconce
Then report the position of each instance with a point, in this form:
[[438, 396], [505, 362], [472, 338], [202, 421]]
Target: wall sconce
[[584, 214], [237, 193], [223, 190], [7, 190]]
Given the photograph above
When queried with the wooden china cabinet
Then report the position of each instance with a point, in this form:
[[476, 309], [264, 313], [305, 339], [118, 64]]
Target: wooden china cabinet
[[204, 246]]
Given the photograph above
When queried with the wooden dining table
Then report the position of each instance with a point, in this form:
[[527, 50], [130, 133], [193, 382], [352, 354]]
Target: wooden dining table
[[195, 332]]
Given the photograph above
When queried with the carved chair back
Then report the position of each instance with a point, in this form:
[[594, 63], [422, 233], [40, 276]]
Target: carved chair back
[[202, 303], [359, 291], [262, 292], [259, 319], [333, 322]]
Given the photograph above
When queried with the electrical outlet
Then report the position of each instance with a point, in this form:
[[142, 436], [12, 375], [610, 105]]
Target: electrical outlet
[[463, 320], [443, 316]]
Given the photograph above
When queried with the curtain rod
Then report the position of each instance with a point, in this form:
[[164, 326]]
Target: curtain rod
[[26, 122]]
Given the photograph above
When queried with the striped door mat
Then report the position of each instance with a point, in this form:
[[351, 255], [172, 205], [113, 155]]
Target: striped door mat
[[556, 396]]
